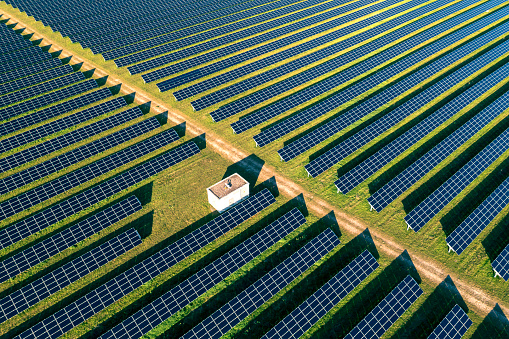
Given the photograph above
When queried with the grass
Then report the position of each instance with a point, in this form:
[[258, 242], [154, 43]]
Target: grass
[[188, 197]]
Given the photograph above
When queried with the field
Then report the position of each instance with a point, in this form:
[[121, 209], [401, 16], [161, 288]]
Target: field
[[174, 202]]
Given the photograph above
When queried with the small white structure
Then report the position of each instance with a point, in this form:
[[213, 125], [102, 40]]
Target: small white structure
[[228, 192]]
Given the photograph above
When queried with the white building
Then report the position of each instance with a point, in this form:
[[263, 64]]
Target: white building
[[228, 192]]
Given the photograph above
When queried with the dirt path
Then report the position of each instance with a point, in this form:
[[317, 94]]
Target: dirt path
[[430, 269]]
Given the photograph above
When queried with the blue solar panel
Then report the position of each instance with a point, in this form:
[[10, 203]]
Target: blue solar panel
[[396, 115], [35, 79], [93, 195], [56, 243], [247, 301], [25, 53], [501, 264], [276, 72], [86, 173], [24, 94], [19, 63], [437, 200], [254, 53], [418, 169], [455, 324], [322, 301], [186, 292], [375, 162], [32, 69], [47, 99], [381, 318], [479, 219], [65, 275], [53, 111], [60, 125], [15, 46], [74, 156], [106, 294]]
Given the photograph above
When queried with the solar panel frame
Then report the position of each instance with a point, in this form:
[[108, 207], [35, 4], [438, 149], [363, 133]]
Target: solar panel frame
[[455, 324], [501, 264]]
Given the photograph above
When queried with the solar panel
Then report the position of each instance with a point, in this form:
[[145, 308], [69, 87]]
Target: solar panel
[[396, 115], [95, 301], [455, 324], [324, 299], [24, 53], [276, 72], [381, 318], [479, 219], [415, 171], [93, 195], [35, 79], [61, 124], [334, 126], [24, 94], [76, 155], [86, 173], [182, 295], [247, 301], [19, 63], [15, 46], [53, 111], [32, 69], [389, 152], [47, 99], [315, 24], [437, 200], [31, 294], [501, 264], [49, 247]]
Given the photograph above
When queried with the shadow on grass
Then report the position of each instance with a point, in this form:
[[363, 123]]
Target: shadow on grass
[[432, 311], [306, 287], [198, 264], [249, 168], [466, 205], [232, 290], [348, 316], [424, 190], [497, 239], [494, 325]]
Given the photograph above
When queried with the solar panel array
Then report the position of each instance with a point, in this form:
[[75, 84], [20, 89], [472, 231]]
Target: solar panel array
[[437, 200], [418, 169], [395, 116], [334, 126], [247, 301], [501, 264], [183, 294], [93, 195], [86, 173], [276, 72], [455, 324], [325, 298], [55, 244], [479, 219], [59, 323], [385, 314], [31, 294], [375, 162], [35, 79]]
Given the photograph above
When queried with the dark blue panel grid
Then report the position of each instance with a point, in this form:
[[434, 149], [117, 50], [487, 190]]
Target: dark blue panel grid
[[65, 275], [247, 301], [417, 170], [93, 195], [35, 79], [22, 72], [322, 301], [455, 324], [443, 195], [381, 318], [395, 116], [389, 152], [501, 264], [187, 291], [49, 247], [74, 156], [86, 173], [95, 301]]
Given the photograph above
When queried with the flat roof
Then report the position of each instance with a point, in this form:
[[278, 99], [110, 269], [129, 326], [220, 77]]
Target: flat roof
[[220, 189]]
